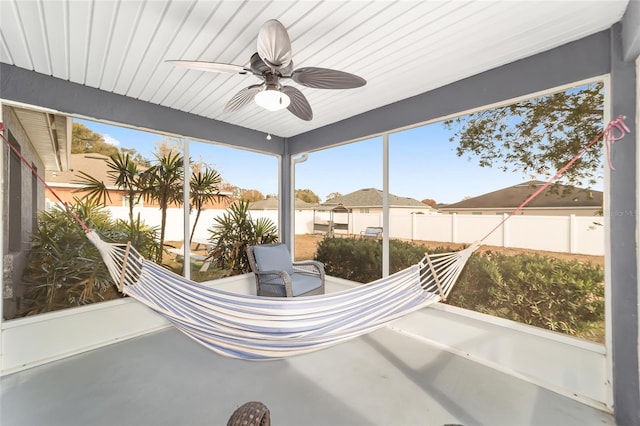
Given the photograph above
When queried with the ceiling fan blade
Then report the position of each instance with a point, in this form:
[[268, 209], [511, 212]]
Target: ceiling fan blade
[[324, 78], [242, 98], [211, 66], [257, 65], [274, 46], [299, 105]]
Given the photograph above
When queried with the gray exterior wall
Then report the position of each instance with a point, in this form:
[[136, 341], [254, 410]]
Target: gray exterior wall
[[596, 55], [623, 249], [14, 260]]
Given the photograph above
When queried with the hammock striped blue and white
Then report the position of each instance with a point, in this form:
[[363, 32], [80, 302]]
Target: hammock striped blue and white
[[252, 327]]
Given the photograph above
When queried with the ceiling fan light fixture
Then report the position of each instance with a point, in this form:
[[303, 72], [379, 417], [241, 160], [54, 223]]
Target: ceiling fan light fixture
[[272, 100]]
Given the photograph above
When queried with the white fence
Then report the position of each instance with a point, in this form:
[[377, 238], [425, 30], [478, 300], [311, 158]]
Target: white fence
[[569, 234]]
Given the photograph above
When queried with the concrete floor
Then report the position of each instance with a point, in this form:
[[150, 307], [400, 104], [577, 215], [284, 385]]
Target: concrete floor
[[383, 378]]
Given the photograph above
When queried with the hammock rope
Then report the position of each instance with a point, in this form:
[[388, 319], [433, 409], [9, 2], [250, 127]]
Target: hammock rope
[[258, 328], [614, 131]]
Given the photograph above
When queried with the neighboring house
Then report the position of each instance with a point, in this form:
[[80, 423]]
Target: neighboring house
[[67, 184], [272, 203], [566, 200], [338, 213], [369, 200]]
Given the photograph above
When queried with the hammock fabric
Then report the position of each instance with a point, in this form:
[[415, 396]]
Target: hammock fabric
[[256, 328]]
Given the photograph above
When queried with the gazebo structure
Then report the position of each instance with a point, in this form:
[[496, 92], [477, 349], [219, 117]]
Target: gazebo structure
[[329, 220]]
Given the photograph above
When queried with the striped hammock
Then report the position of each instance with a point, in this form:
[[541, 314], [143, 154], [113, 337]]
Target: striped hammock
[[257, 328]]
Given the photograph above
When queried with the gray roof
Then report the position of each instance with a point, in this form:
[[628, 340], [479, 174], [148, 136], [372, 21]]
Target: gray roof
[[513, 196], [93, 164], [372, 197], [271, 203]]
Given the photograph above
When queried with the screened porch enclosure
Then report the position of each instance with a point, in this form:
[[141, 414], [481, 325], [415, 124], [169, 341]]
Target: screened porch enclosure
[[116, 362]]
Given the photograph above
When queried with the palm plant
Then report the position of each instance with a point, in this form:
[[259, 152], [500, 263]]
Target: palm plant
[[163, 183], [234, 231], [64, 269], [125, 174], [204, 188]]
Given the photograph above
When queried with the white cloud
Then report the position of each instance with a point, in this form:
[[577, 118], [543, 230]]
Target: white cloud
[[111, 140]]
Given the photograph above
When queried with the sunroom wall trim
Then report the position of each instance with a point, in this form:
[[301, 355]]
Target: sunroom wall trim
[[32, 88]]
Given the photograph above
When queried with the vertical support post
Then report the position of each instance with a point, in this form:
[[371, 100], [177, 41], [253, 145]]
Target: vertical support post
[[186, 270], [572, 233], [414, 230], [294, 161], [385, 205], [623, 250], [505, 230], [637, 236], [287, 195], [2, 186], [454, 227]]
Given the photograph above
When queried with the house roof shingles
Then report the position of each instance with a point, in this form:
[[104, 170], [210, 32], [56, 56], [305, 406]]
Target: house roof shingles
[[271, 203], [372, 197], [513, 196], [92, 164]]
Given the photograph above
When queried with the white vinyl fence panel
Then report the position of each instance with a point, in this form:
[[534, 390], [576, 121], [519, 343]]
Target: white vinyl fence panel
[[566, 234], [569, 233]]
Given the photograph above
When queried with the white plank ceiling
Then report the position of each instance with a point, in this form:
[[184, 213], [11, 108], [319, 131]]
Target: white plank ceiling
[[402, 48]]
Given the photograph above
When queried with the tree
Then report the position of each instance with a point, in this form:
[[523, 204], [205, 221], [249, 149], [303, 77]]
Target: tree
[[537, 136], [251, 195], [333, 195], [307, 195], [84, 139], [204, 188], [126, 176], [136, 157], [168, 146], [163, 183], [429, 201]]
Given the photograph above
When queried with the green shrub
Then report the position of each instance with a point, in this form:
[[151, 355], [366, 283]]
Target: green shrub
[[565, 296], [351, 259], [233, 232], [360, 260], [64, 269]]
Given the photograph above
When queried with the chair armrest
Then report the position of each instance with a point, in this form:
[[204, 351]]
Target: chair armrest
[[275, 278], [309, 267]]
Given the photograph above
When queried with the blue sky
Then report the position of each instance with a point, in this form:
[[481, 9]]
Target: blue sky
[[423, 164]]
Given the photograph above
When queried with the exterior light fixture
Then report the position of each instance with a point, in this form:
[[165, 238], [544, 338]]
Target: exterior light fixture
[[272, 100], [268, 136]]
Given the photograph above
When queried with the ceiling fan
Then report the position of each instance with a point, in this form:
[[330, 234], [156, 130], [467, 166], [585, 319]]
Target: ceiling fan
[[271, 63]]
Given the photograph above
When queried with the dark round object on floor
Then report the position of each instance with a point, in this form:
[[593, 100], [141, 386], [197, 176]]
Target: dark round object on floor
[[252, 413]]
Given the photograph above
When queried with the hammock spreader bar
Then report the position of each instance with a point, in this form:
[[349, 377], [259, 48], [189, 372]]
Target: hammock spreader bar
[[257, 328]]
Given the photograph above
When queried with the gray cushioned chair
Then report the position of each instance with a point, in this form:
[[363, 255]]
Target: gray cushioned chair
[[276, 275]]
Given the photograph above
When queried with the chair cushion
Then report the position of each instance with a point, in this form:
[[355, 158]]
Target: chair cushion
[[273, 258], [301, 283]]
